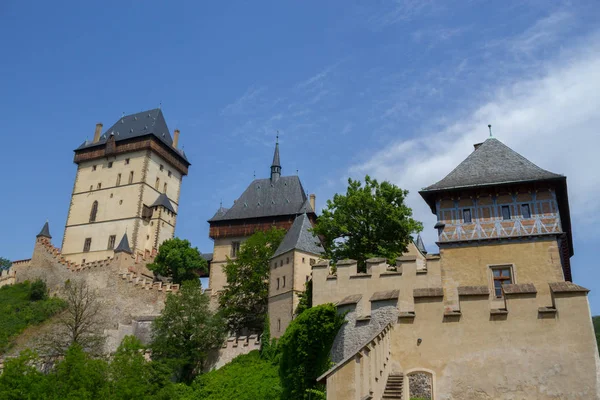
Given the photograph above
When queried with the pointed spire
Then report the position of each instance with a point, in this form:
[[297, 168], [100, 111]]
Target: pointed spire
[[45, 232], [420, 245], [276, 166], [123, 246]]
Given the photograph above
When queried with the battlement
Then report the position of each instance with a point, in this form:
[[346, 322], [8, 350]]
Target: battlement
[[146, 283], [347, 284], [7, 277]]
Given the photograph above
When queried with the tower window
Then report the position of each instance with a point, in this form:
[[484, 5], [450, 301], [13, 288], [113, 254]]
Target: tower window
[[235, 249], [505, 212], [467, 215], [111, 242], [99, 186], [157, 184], [281, 263], [278, 324], [525, 211], [110, 164], [277, 283], [118, 179], [169, 174], [502, 276], [303, 260], [287, 260], [94, 211], [91, 187], [165, 188], [87, 244], [127, 161], [283, 281], [161, 167], [131, 177], [93, 167]]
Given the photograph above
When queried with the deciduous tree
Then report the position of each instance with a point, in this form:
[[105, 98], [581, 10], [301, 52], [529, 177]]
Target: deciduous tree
[[5, 263], [305, 349], [370, 220], [178, 259], [244, 301], [186, 331]]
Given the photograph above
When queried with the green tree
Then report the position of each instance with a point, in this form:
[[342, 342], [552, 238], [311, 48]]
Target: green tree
[[129, 371], [244, 301], [305, 297], [370, 220], [247, 377], [5, 263], [21, 379], [186, 331], [78, 376], [178, 259], [38, 290], [305, 348]]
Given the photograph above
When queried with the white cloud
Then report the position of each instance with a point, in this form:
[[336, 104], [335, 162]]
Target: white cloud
[[400, 11], [245, 103], [552, 120]]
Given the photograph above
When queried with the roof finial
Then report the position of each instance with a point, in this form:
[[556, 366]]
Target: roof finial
[[490, 128], [221, 204], [159, 105], [254, 174], [277, 137], [296, 172]]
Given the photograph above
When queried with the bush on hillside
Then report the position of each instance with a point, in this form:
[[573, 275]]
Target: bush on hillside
[[247, 377], [38, 290]]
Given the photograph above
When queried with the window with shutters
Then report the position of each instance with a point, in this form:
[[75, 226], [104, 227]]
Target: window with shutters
[[235, 249], [467, 215], [525, 211], [505, 212]]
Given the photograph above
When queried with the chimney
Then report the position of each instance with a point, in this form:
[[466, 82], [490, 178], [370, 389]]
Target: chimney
[[312, 202], [175, 137], [98, 132]]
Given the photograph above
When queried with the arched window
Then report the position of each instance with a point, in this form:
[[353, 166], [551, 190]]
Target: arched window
[[94, 211], [157, 184]]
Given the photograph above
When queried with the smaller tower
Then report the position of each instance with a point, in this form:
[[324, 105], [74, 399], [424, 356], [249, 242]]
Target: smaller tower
[[276, 166], [45, 232]]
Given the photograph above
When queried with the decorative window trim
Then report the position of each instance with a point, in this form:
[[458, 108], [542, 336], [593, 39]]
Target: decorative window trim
[[503, 279]]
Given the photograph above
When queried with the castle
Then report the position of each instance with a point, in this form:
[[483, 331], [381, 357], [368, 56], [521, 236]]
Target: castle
[[494, 315]]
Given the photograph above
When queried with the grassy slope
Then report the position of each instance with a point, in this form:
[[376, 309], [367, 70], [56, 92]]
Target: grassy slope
[[17, 312]]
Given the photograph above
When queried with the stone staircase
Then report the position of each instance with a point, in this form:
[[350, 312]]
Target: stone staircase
[[394, 387]]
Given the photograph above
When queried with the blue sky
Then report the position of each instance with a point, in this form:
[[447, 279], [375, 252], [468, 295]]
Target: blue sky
[[396, 89]]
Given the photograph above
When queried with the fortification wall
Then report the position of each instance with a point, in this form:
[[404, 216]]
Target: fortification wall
[[474, 352], [7, 277], [124, 294], [233, 347]]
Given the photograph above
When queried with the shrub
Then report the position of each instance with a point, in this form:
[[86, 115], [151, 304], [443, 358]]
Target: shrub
[[38, 290]]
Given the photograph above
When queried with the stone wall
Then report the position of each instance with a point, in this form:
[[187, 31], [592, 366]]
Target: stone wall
[[233, 347], [125, 295]]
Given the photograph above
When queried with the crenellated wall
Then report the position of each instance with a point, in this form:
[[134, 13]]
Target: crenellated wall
[[7, 277], [536, 342]]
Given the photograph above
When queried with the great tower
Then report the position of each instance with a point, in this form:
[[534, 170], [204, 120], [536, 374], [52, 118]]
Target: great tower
[[128, 181]]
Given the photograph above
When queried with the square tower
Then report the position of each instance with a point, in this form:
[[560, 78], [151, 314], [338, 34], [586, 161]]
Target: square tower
[[128, 180]]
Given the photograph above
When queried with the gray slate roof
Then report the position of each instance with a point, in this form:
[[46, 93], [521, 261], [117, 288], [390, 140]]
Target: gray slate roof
[[124, 245], [151, 122], [207, 256], [492, 163], [300, 238], [265, 198], [45, 232], [164, 201], [276, 162]]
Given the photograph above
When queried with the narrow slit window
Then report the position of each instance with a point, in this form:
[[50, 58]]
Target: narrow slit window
[[283, 281], [94, 211], [467, 215], [127, 161], [505, 212], [165, 188], [87, 244], [157, 184], [525, 211], [110, 163], [118, 179], [131, 177], [277, 283]]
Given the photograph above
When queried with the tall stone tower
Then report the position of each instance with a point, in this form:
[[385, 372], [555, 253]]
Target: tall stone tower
[[128, 181], [501, 220]]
